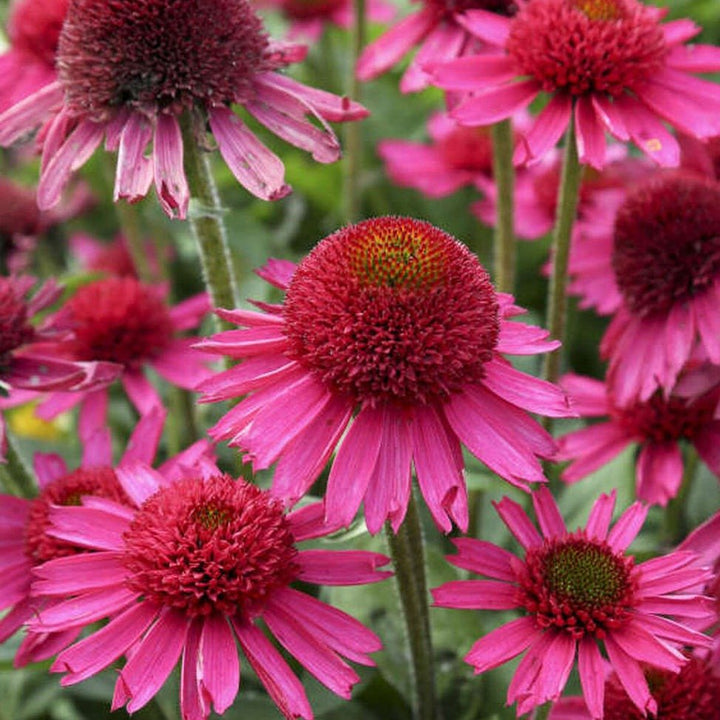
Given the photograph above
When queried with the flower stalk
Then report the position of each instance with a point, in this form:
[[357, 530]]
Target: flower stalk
[[408, 555], [504, 236], [14, 475]]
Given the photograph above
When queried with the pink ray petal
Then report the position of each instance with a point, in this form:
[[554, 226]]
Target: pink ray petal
[[591, 668], [472, 72], [180, 364], [588, 396], [145, 438], [134, 171], [659, 472], [590, 449], [444, 42], [218, 659], [642, 646], [476, 595], [484, 558], [678, 31], [93, 414], [141, 391], [590, 134], [170, 182], [547, 513], [518, 523], [48, 467], [547, 129], [600, 516], [139, 480], [502, 644], [84, 609], [245, 343], [694, 58], [251, 374], [611, 117], [488, 26], [277, 272], [29, 113], [79, 573], [341, 567], [194, 704], [98, 449], [627, 527], [491, 106]]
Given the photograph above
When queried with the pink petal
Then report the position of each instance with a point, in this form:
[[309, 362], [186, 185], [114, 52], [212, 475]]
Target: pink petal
[[26, 115], [600, 516], [145, 438], [188, 314], [79, 573], [49, 467], [218, 662], [141, 391], [659, 472], [678, 31], [484, 558], [612, 118], [502, 644], [253, 373], [138, 480], [341, 567], [180, 364], [87, 527], [277, 272], [547, 513], [245, 343], [590, 134], [590, 448], [548, 127], [476, 595], [255, 167], [98, 449], [627, 527], [134, 171], [588, 396], [694, 58], [488, 26], [153, 659], [491, 106], [591, 668], [645, 648], [472, 72], [170, 182], [193, 703], [518, 523], [283, 687], [84, 609], [353, 466], [93, 414]]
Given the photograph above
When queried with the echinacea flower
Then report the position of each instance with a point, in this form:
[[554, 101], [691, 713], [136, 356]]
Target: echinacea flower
[[611, 63], [128, 71], [123, 321], [658, 425], [24, 523], [30, 359], [29, 63], [438, 28], [392, 331], [693, 693], [144, 569], [578, 592], [664, 275], [309, 18]]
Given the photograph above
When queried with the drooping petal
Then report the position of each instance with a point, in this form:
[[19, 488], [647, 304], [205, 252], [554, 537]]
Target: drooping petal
[[134, 171], [219, 662], [170, 181]]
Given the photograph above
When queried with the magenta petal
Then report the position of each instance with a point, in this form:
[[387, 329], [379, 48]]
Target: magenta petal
[[476, 595], [255, 167], [488, 26], [87, 527], [141, 391], [144, 440], [518, 523], [245, 343], [98, 650], [659, 472], [219, 662], [353, 466], [498, 103], [600, 516], [182, 365], [341, 567], [79, 573], [170, 182], [502, 644], [445, 41], [484, 558], [134, 171], [73, 154], [591, 668], [139, 480], [631, 676], [253, 373], [282, 685], [84, 609], [548, 515], [154, 658], [644, 647], [627, 527], [549, 126], [694, 58], [590, 134], [610, 116], [30, 112], [193, 703], [472, 72]]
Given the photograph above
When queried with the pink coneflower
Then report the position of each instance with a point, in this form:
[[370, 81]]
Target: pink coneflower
[[129, 70], [123, 321], [114, 257], [390, 329], [693, 693], [309, 18], [578, 591], [666, 267], [29, 65], [610, 62], [658, 425], [25, 542], [438, 29], [30, 359], [145, 568]]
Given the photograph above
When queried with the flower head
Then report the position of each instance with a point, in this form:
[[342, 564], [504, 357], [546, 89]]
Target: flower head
[[395, 322], [610, 62], [128, 71], [127, 323], [577, 592], [29, 64], [162, 608], [438, 28], [659, 425]]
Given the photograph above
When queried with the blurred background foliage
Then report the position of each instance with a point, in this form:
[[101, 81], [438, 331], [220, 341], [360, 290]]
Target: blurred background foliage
[[288, 228]]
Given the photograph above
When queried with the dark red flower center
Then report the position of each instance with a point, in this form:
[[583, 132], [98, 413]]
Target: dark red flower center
[[577, 584], [468, 149], [158, 55], [587, 46], [34, 27], [119, 320], [455, 7], [392, 309], [661, 419], [667, 242], [15, 330], [213, 545], [66, 490], [691, 694], [306, 9]]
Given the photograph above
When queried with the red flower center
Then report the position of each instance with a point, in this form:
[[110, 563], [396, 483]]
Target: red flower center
[[577, 584], [392, 309], [15, 330], [660, 419], [455, 7], [213, 545], [306, 9], [667, 242], [67, 490], [119, 320], [34, 28], [468, 149], [691, 694], [587, 46], [156, 55]]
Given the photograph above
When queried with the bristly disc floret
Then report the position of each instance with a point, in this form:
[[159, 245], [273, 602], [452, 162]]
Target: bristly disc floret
[[118, 320], [667, 242], [392, 309], [587, 46], [158, 55], [66, 490], [578, 585], [210, 545]]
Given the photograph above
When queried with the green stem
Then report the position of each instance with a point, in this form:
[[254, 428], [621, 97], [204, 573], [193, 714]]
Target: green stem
[[129, 222], [207, 224], [14, 475], [504, 175], [543, 711], [407, 551], [353, 130], [565, 218]]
